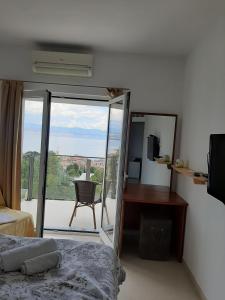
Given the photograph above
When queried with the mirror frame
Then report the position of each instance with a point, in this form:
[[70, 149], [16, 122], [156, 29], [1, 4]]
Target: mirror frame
[[141, 114]]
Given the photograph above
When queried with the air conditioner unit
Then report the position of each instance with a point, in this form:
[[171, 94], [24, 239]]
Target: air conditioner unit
[[61, 63]]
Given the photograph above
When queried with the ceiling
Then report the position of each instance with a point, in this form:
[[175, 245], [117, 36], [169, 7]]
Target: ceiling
[[167, 27]]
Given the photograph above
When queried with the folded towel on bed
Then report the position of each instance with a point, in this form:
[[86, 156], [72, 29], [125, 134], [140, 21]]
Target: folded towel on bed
[[12, 260], [41, 263]]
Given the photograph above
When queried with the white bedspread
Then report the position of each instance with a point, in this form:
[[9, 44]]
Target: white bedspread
[[88, 271]]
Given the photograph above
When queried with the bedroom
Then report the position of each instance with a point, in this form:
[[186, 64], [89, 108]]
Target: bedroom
[[171, 65]]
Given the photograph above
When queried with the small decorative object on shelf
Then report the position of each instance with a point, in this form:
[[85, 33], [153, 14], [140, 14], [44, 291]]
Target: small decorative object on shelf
[[198, 177], [200, 180], [180, 163], [165, 160]]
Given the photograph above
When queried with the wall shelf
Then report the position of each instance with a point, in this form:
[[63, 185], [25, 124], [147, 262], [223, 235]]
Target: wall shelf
[[190, 173], [163, 162]]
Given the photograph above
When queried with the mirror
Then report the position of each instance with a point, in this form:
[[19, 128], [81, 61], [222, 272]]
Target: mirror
[[151, 148]]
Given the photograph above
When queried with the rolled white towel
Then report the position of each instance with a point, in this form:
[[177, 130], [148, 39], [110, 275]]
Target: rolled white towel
[[41, 263], [12, 260]]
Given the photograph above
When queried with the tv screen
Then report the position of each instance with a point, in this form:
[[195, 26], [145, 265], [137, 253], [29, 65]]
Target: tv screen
[[153, 147], [216, 167]]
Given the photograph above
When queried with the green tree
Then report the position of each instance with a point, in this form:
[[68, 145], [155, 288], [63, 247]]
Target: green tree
[[27, 159], [73, 170], [24, 172], [93, 169], [112, 172], [54, 169], [98, 175], [36, 176], [25, 165], [59, 181], [54, 173]]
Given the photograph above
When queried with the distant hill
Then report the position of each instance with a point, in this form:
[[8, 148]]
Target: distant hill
[[73, 132]]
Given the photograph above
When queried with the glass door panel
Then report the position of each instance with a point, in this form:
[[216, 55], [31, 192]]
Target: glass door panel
[[36, 105], [114, 169]]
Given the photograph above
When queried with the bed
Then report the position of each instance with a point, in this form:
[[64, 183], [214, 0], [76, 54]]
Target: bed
[[23, 226], [88, 271]]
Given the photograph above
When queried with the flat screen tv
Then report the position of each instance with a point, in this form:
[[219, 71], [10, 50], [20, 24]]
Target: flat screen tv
[[153, 147], [216, 167]]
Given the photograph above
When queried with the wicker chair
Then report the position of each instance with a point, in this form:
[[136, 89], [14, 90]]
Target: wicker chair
[[85, 196]]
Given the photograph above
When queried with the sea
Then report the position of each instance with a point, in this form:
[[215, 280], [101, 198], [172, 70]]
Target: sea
[[66, 145]]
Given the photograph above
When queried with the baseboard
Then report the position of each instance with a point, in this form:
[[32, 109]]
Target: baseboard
[[197, 286]]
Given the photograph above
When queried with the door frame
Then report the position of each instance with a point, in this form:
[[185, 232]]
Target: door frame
[[46, 96]]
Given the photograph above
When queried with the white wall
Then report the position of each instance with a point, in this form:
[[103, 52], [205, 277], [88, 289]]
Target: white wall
[[204, 113], [163, 127], [156, 83]]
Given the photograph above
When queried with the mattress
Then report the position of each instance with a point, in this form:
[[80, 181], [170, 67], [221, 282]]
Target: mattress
[[23, 226], [88, 271]]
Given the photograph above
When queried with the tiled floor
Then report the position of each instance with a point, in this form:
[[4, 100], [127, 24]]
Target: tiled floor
[[58, 214], [154, 280], [146, 279]]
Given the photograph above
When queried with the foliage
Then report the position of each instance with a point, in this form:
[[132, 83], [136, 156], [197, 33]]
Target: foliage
[[112, 172], [59, 180], [93, 169], [26, 160], [98, 176], [24, 172], [73, 170]]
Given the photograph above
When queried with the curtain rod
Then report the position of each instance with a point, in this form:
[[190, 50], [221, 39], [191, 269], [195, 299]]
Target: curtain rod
[[66, 84]]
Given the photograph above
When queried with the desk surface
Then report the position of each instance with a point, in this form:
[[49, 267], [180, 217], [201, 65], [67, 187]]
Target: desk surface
[[152, 194]]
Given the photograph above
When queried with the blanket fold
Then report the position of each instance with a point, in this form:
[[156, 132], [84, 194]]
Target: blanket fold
[[12, 260], [6, 218], [41, 263]]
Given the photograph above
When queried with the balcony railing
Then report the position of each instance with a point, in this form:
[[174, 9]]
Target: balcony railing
[[62, 170]]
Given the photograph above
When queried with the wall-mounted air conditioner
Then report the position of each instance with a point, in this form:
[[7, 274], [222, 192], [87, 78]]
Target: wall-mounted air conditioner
[[61, 63]]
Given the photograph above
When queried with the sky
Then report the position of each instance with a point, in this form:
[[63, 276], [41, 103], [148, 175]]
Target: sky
[[69, 115]]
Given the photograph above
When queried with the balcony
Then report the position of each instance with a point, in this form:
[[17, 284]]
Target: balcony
[[62, 170], [58, 213]]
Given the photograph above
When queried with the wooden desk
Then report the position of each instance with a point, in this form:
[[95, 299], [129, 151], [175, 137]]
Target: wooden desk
[[139, 197]]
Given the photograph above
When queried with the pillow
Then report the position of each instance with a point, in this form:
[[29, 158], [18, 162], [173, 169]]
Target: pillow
[[2, 202]]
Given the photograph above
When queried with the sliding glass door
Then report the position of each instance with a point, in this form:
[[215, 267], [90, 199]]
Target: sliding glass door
[[36, 112], [114, 170]]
